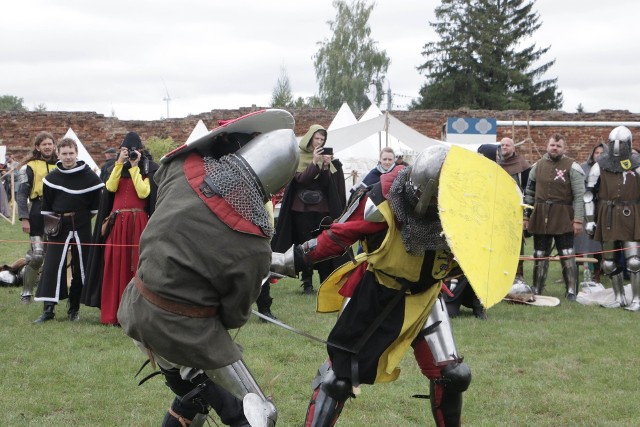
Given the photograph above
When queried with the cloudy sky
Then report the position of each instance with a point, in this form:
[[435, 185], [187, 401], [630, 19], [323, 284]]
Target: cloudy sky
[[126, 57]]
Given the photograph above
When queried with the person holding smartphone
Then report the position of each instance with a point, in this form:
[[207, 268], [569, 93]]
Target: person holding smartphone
[[315, 195]]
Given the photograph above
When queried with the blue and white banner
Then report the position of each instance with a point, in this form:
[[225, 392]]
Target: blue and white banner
[[466, 130]]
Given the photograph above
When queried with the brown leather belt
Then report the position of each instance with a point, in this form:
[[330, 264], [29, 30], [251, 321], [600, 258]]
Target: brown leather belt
[[173, 306]]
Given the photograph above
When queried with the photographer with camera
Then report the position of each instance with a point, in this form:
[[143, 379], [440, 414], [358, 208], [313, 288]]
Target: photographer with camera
[[125, 208]]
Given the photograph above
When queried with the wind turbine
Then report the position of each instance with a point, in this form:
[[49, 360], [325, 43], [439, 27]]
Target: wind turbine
[[167, 98]]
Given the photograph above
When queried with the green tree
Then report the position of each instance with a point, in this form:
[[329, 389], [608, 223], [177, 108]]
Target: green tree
[[482, 59], [281, 96], [41, 108], [348, 63], [158, 147], [11, 103]]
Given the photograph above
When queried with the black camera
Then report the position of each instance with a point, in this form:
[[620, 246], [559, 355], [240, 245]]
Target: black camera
[[327, 151], [132, 154]]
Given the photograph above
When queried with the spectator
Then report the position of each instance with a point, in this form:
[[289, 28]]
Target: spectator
[[400, 159], [110, 155], [316, 195], [11, 169], [613, 217], [518, 167], [555, 189], [125, 208], [70, 195], [41, 161], [584, 245], [490, 151], [200, 273], [386, 163]]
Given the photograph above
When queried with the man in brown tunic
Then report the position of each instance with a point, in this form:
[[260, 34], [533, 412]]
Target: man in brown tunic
[[555, 189], [613, 186]]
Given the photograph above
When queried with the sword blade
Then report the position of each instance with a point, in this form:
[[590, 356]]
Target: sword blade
[[299, 332]]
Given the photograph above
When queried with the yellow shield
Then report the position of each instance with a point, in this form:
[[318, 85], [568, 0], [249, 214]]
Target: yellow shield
[[481, 212]]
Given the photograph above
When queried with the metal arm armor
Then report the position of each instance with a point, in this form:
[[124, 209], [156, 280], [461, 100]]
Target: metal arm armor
[[590, 198]]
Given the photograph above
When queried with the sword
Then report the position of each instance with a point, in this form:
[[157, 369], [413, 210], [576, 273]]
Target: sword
[[299, 332]]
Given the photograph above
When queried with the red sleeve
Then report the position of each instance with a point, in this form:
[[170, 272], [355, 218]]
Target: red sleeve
[[332, 242]]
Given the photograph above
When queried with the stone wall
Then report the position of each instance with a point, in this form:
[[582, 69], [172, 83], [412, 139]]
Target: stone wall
[[98, 132]]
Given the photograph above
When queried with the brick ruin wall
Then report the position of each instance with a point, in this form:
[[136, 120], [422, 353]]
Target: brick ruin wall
[[98, 132]]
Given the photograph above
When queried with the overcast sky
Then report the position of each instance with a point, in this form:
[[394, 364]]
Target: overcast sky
[[127, 56]]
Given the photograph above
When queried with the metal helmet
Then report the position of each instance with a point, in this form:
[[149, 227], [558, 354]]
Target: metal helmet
[[272, 158], [620, 142], [425, 175]]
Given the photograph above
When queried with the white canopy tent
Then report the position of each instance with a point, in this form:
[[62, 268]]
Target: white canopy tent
[[198, 131], [358, 145], [83, 154]]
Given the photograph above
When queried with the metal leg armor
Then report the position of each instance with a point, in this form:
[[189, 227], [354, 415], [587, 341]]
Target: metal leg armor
[[238, 381], [438, 360], [35, 258], [612, 270], [569, 273], [632, 254], [540, 270], [194, 398], [329, 395]]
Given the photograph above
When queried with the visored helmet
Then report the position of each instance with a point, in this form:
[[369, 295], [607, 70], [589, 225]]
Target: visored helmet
[[425, 175], [620, 142], [272, 158]]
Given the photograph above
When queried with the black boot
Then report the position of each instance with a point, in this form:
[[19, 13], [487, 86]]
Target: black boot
[[264, 302], [47, 313], [307, 281], [73, 313]]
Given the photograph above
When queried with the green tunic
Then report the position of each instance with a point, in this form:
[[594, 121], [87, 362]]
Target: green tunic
[[188, 255]]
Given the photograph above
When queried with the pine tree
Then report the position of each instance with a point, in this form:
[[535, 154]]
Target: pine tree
[[348, 63], [481, 60], [281, 96]]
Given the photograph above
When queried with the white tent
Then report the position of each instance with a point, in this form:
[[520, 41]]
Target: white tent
[[197, 132], [83, 154], [343, 118], [358, 145]]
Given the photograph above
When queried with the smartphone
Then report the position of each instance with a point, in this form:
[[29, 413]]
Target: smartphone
[[328, 151]]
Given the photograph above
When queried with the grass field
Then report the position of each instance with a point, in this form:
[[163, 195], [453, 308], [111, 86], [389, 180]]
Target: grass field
[[570, 365]]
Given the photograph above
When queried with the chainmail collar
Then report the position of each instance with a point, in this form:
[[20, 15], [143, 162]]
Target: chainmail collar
[[239, 187], [614, 164], [419, 234]]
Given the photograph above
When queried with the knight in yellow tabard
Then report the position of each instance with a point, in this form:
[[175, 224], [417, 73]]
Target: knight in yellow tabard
[[389, 294]]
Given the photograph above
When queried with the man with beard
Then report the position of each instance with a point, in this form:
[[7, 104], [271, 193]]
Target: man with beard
[[518, 167], [37, 166], [555, 189]]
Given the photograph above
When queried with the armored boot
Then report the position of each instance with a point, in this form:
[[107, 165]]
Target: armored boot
[[47, 313], [620, 300], [540, 270], [329, 395], [635, 292], [35, 258], [569, 274]]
